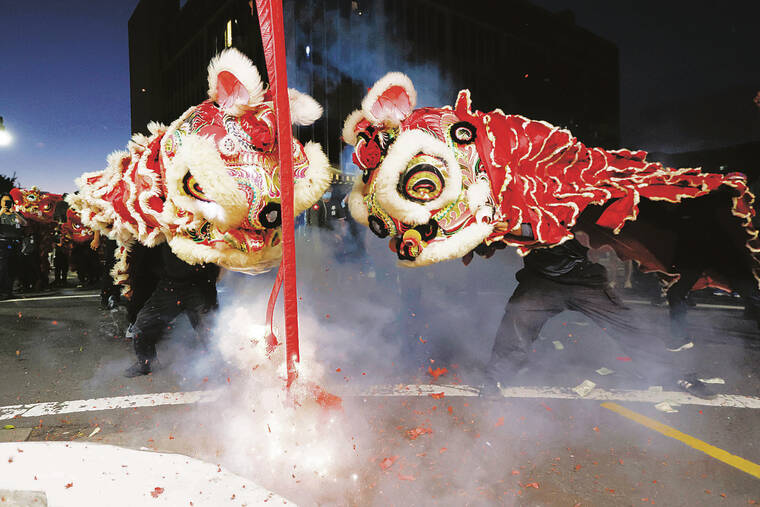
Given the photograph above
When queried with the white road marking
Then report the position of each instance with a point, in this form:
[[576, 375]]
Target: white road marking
[[698, 305], [117, 402], [42, 298], [566, 393], [82, 473], [652, 396]]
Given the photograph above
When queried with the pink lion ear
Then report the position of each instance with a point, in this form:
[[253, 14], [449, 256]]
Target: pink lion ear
[[230, 91], [234, 82], [390, 100]]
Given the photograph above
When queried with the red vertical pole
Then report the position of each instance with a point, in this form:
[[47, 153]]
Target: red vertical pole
[[273, 39]]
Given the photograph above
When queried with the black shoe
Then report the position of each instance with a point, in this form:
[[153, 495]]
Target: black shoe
[[692, 385], [138, 369]]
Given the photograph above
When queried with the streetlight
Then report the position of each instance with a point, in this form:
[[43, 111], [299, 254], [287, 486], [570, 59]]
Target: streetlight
[[5, 136]]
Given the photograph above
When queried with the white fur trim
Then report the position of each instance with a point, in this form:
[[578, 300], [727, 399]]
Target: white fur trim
[[349, 126], [388, 81], [199, 156], [356, 204], [478, 195], [235, 62], [156, 128], [309, 189], [229, 258], [404, 148], [304, 110], [453, 247]]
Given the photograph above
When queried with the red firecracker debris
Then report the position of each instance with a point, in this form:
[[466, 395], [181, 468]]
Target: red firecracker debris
[[156, 491], [388, 462], [325, 399], [625, 359], [500, 422], [533, 485], [437, 396], [406, 477], [596, 428], [417, 432], [437, 372], [515, 472]]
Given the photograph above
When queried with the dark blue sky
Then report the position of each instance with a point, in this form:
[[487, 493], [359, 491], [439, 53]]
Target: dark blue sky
[[64, 87], [689, 71]]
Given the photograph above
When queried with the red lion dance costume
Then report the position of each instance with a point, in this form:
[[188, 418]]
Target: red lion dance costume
[[40, 209], [442, 182], [209, 183]]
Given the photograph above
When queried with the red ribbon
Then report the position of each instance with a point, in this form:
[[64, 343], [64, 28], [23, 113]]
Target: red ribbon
[[273, 39]]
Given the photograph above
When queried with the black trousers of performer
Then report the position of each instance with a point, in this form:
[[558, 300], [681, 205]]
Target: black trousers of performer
[[7, 256], [107, 286], [538, 298], [61, 265], [168, 301]]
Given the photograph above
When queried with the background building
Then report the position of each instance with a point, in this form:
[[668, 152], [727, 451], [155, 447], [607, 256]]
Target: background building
[[509, 53]]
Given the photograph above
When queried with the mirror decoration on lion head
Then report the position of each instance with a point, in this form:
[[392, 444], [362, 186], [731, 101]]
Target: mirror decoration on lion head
[[209, 183]]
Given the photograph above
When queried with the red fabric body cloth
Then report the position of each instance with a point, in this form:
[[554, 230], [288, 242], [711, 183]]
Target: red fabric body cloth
[[542, 175]]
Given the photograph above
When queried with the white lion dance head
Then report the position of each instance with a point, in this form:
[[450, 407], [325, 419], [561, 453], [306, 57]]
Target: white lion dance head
[[209, 183]]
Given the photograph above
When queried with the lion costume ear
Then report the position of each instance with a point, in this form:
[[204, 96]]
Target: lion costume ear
[[390, 100], [234, 82], [304, 110]]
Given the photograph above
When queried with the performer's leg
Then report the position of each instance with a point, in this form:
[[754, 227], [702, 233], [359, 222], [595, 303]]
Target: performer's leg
[[6, 281], [632, 329], [677, 294], [199, 303], [150, 326], [748, 290], [534, 301]]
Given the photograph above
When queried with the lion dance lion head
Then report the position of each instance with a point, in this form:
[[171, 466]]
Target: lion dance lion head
[[209, 183]]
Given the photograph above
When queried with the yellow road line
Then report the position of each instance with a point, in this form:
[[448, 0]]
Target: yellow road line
[[717, 453]]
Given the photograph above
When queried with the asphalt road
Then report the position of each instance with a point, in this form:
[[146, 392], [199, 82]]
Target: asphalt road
[[407, 449]]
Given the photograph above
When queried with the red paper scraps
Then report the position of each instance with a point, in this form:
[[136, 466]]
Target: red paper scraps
[[388, 462]]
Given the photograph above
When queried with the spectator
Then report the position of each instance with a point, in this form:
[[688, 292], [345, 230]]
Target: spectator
[[109, 291], [61, 260], [10, 241]]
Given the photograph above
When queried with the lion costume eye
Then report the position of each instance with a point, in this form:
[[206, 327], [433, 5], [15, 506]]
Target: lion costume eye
[[463, 132], [193, 188], [378, 227], [422, 182]]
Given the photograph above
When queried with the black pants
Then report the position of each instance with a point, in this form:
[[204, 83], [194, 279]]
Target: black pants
[[6, 256], [61, 265], [167, 302], [746, 287], [537, 299]]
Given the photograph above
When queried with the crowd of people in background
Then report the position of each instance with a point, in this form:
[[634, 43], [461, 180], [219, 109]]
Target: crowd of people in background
[[22, 247]]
